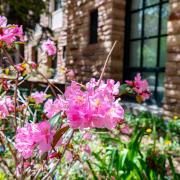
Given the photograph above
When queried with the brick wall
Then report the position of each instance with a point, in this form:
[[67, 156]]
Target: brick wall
[[87, 59], [172, 82]]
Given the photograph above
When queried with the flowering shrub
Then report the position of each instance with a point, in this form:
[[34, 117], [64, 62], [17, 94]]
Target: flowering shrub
[[6, 106], [140, 87], [9, 34], [32, 135], [49, 47], [39, 97], [41, 130]]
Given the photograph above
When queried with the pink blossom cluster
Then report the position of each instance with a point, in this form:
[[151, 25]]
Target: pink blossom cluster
[[49, 47], [140, 87], [92, 107], [6, 106], [39, 97], [32, 135], [51, 107], [10, 33]]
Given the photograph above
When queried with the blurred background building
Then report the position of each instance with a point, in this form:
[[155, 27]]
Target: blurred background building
[[148, 35]]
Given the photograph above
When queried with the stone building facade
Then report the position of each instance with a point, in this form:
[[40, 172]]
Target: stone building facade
[[56, 21], [88, 58], [172, 81], [148, 38]]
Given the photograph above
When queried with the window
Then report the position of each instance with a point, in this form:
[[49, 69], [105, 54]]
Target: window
[[34, 54], [64, 53], [57, 4], [145, 43], [52, 63], [93, 36]]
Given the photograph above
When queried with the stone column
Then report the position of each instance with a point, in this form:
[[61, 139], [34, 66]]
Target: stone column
[[172, 82]]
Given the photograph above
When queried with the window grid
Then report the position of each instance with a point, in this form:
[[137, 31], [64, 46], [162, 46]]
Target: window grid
[[128, 40]]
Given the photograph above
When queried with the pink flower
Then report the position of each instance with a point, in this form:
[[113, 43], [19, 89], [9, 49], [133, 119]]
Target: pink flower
[[125, 130], [3, 21], [6, 106], [87, 136], [87, 149], [70, 74], [24, 140], [33, 65], [44, 136], [49, 47], [32, 135], [94, 108], [27, 164], [20, 67], [10, 33], [9, 103], [51, 107], [69, 156], [39, 97], [7, 37], [89, 106], [3, 110], [140, 87]]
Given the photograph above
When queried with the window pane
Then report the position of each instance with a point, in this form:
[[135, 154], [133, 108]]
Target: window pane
[[151, 21], [150, 53], [164, 18], [160, 88], [136, 25], [151, 2], [93, 27], [57, 4], [163, 51], [135, 52], [151, 78], [136, 4]]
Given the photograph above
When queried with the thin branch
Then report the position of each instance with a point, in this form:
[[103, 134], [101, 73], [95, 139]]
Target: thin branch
[[15, 101], [7, 166], [57, 163], [106, 62], [4, 140]]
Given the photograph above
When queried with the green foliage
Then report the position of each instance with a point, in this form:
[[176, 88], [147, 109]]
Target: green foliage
[[135, 159], [2, 176], [24, 12]]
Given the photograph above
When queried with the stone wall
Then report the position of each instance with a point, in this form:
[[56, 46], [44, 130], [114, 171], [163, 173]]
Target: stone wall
[[87, 59], [172, 82]]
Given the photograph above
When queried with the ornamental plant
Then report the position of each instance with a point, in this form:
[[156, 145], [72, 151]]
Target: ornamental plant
[[37, 130]]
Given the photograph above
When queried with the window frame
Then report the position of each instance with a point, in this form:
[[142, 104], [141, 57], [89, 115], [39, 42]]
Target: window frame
[[34, 53], [93, 30], [56, 4], [157, 69]]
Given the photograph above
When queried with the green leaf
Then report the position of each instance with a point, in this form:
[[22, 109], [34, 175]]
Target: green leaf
[[123, 155], [172, 168], [92, 170], [55, 119], [112, 158], [123, 89], [99, 159]]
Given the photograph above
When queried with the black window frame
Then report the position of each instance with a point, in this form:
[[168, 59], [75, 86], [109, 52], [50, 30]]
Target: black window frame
[[34, 54], [128, 41], [57, 4], [93, 27]]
